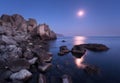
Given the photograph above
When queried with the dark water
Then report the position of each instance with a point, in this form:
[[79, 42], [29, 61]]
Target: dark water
[[107, 62]]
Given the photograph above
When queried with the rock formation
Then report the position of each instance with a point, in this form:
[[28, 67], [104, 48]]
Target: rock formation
[[23, 45]]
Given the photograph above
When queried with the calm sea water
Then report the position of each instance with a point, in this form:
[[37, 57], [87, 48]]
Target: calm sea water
[[107, 62]]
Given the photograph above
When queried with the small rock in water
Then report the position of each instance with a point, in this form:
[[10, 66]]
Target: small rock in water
[[21, 75], [63, 50]]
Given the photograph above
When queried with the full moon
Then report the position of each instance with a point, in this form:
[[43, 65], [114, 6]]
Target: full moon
[[80, 13]]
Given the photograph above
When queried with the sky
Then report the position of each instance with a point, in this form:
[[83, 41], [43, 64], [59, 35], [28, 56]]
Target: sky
[[101, 17]]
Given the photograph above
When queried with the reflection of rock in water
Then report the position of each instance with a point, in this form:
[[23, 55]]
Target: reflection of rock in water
[[91, 69], [79, 62]]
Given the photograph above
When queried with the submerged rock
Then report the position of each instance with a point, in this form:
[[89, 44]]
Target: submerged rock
[[21, 75]]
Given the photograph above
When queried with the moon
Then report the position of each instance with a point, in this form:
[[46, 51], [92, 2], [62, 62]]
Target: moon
[[80, 13]]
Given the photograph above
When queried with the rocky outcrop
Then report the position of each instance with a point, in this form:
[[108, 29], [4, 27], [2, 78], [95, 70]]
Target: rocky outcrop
[[16, 25], [23, 48]]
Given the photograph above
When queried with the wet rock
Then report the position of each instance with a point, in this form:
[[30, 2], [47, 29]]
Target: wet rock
[[78, 51], [18, 64], [96, 47], [63, 50], [21, 75], [66, 79], [33, 60], [42, 79], [44, 67]]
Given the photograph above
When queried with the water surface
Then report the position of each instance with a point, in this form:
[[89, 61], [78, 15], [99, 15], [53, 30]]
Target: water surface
[[107, 62]]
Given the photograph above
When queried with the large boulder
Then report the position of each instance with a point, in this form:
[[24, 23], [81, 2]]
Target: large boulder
[[21, 75]]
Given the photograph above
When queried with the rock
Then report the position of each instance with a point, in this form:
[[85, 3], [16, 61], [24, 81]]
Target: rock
[[78, 51], [42, 79], [28, 54], [45, 33], [52, 35], [33, 60], [10, 52], [96, 47], [31, 24], [44, 67], [5, 74], [18, 19], [18, 64], [63, 50], [66, 79], [47, 58], [21, 75], [63, 41], [8, 40]]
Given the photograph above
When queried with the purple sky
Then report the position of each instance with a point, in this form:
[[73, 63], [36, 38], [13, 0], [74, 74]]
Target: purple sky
[[102, 17]]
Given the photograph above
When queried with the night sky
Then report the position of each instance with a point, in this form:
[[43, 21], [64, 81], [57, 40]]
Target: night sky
[[101, 17]]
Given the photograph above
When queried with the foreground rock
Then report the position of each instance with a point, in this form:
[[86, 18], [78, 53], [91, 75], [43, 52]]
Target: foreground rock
[[63, 50], [21, 75]]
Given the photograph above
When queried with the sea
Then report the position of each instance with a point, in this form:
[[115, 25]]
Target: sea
[[107, 63]]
